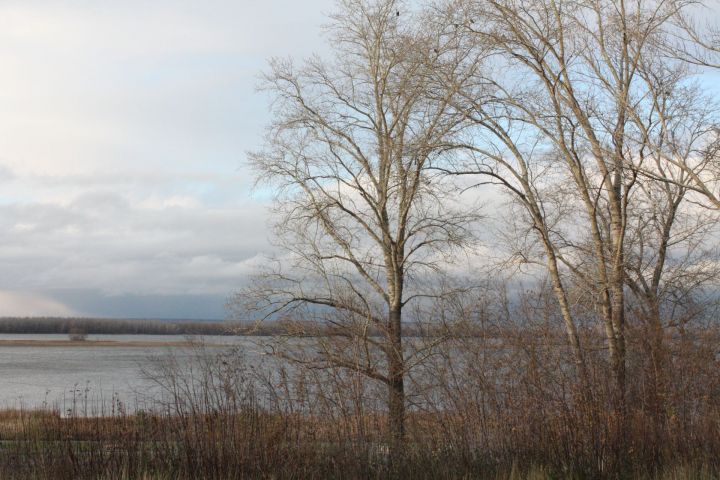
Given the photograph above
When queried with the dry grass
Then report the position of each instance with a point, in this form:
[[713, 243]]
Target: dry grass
[[252, 444], [480, 409]]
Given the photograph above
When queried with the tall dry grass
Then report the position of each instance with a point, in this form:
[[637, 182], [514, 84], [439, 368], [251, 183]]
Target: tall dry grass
[[486, 405]]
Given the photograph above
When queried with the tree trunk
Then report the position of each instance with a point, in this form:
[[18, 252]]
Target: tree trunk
[[396, 385], [657, 371], [570, 328], [618, 363], [618, 322]]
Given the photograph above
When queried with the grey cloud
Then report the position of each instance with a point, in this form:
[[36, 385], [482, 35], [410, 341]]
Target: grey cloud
[[102, 240], [96, 303], [124, 126]]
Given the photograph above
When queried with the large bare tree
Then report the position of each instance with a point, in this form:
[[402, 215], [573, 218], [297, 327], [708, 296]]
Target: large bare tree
[[579, 111], [364, 222]]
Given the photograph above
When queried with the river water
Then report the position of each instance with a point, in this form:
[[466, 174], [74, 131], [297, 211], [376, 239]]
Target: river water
[[91, 377]]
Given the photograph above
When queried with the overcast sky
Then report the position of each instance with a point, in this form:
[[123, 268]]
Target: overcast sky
[[123, 127], [123, 132]]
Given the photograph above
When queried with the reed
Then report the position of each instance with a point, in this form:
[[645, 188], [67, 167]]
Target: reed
[[480, 410]]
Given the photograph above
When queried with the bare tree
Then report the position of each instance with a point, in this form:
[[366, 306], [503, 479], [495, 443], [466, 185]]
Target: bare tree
[[365, 224], [573, 120]]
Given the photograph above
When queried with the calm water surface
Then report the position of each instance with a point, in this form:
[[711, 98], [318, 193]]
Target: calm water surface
[[61, 377]]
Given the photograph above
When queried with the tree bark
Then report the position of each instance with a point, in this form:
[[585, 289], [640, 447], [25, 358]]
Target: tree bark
[[396, 384]]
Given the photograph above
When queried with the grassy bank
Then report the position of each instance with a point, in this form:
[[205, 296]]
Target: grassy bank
[[480, 407], [253, 444]]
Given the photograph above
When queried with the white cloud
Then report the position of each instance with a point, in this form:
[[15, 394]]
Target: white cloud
[[161, 202], [85, 84], [23, 304]]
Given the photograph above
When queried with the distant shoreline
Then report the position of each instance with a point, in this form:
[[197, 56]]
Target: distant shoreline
[[98, 343]]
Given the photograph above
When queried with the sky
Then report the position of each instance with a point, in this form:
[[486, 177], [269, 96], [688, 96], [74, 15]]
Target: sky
[[123, 132]]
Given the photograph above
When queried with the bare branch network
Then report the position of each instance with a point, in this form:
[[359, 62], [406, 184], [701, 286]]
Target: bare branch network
[[587, 117]]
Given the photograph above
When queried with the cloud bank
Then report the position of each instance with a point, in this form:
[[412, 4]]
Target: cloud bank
[[123, 189]]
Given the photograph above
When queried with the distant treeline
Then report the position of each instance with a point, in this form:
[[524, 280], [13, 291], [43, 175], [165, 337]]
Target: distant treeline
[[107, 326], [135, 326]]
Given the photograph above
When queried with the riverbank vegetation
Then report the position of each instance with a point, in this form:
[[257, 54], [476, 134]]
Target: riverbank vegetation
[[482, 409]]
